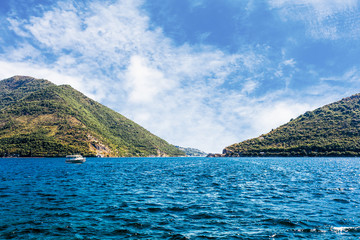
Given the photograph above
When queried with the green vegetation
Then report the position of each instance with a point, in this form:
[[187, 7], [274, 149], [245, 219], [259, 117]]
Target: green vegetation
[[15, 88], [332, 130], [43, 119]]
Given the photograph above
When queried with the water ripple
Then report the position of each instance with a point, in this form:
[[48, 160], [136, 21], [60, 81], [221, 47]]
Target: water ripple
[[180, 198]]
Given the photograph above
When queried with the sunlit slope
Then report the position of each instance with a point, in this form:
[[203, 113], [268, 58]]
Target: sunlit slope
[[15, 88], [332, 130], [58, 120]]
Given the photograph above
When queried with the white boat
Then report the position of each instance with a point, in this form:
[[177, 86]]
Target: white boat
[[75, 159]]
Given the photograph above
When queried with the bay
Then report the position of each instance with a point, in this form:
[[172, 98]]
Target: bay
[[180, 198]]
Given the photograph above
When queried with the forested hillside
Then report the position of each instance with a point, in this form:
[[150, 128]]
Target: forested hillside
[[332, 130]]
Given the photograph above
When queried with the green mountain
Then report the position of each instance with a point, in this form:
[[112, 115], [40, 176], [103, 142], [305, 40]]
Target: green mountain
[[39, 118], [332, 130]]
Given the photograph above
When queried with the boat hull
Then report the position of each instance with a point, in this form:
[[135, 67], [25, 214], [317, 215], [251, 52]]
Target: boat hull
[[75, 159]]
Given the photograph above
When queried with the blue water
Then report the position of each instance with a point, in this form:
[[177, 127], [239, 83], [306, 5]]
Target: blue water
[[180, 198]]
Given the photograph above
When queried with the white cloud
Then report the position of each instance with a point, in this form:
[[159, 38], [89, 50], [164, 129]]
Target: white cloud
[[279, 113], [289, 62], [196, 3], [322, 7], [15, 25], [56, 29], [350, 76], [9, 69], [22, 52], [93, 89], [324, 19], [145, 83], [249, 86]]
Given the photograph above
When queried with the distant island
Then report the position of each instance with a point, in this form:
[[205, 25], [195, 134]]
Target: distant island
[[332, 130], [192, 152], [41, 119]]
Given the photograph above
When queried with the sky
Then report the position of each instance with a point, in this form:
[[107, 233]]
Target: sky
[[198, 73]]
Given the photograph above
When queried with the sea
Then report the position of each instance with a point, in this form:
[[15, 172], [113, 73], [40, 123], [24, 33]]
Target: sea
[[180, 198]]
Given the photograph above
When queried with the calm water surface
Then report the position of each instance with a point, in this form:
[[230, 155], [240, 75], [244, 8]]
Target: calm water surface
[[180, 198]]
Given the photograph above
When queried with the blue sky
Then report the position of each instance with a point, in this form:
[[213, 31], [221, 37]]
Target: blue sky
[[198, 73]]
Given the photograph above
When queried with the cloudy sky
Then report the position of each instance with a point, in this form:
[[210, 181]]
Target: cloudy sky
[[198, 73]]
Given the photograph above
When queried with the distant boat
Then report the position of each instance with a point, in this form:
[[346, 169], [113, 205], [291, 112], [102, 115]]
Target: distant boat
[[75, 159]]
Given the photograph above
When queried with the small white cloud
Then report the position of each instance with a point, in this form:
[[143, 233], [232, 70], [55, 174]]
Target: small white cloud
[[196, 3], [289, 62], [203, 36], [249, 86]]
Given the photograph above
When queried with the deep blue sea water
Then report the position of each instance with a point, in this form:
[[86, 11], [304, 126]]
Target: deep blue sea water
[[180, 198]]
